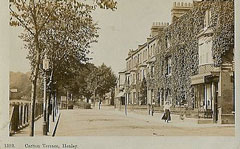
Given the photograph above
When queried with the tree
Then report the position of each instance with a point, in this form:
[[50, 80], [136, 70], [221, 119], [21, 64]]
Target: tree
[[40, 20], [79, 85], [106, 4], [101, 80], [143, 91], [107, 80], [67, 43]]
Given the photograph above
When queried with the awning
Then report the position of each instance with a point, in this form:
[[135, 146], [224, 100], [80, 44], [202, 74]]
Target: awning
[[203, 78], [121, 94], [197, 79]]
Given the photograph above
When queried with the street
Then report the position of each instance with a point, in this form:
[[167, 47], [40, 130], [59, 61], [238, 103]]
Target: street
[[112, 122]]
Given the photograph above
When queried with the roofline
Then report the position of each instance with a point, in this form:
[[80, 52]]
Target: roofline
[[143, 46]]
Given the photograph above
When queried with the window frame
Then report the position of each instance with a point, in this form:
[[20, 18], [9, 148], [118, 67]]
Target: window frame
[[169, 66], [207, 18]]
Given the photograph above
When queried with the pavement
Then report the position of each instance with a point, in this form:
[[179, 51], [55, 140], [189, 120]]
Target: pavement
[[175, 119], [111, 122], [38, 129]]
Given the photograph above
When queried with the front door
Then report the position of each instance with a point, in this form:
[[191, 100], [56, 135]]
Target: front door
[[215, 110]]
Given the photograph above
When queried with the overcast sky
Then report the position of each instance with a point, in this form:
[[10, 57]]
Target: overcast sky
[[121, 30]]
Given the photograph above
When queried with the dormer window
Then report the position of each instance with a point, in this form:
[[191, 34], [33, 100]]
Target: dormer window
[[207, 19]]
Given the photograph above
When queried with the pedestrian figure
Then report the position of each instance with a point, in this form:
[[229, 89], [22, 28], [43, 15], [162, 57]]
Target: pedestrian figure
[[182, 115], [100, 102], [149, 109], [152, 109], [166, 115]]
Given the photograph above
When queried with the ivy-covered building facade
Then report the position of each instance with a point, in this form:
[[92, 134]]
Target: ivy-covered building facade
[[188, 63], [139, 72], [140, 69], [195, 64]]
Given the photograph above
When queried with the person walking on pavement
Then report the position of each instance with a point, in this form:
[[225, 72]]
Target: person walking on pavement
[[99, 104], [152, 107], [166, 115]]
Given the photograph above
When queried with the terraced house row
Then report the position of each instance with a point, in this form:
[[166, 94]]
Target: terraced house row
[[189, 63]]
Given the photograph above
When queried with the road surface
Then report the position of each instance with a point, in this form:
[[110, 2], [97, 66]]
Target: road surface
[[110, 122]]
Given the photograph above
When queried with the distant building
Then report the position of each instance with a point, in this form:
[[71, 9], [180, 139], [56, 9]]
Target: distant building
[[107, 99], [140, 65], [63, 102], [119, 89]]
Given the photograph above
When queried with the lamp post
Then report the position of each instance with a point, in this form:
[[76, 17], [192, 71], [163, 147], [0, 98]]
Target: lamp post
[[67, 100], [54, 109], [126, 100], [45, 68]]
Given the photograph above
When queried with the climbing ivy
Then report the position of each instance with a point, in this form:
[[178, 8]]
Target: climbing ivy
[[183, 50]]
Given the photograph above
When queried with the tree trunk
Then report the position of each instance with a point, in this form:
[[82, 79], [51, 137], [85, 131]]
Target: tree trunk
[[34, 86]]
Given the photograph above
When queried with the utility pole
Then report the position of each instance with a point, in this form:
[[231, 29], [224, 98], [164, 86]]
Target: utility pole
[[99, 104], [44, 105], [53, 107], [67, 100], [48, 110], [152, 103], [49, 101], [94, 97], [45, 68], [126, 104]]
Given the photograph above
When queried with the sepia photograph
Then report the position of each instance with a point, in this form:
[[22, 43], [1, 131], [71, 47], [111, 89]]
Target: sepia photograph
[[120, 68]]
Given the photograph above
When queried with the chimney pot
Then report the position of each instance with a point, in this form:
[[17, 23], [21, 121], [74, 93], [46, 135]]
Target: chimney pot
[[174, 4]]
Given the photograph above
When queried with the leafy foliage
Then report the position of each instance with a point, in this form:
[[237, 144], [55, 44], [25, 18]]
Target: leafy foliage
[[61, 29], [143, 91], [79, 86], [106, 4], [101, 80]]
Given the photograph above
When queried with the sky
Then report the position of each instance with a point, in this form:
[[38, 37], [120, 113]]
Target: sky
[[120, 30]]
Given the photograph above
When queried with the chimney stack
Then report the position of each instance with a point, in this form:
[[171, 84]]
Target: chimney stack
[[180, 9], [157, 27]]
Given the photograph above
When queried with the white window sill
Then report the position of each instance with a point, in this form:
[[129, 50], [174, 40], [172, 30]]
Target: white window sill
[[206, 64], [169, 75]]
